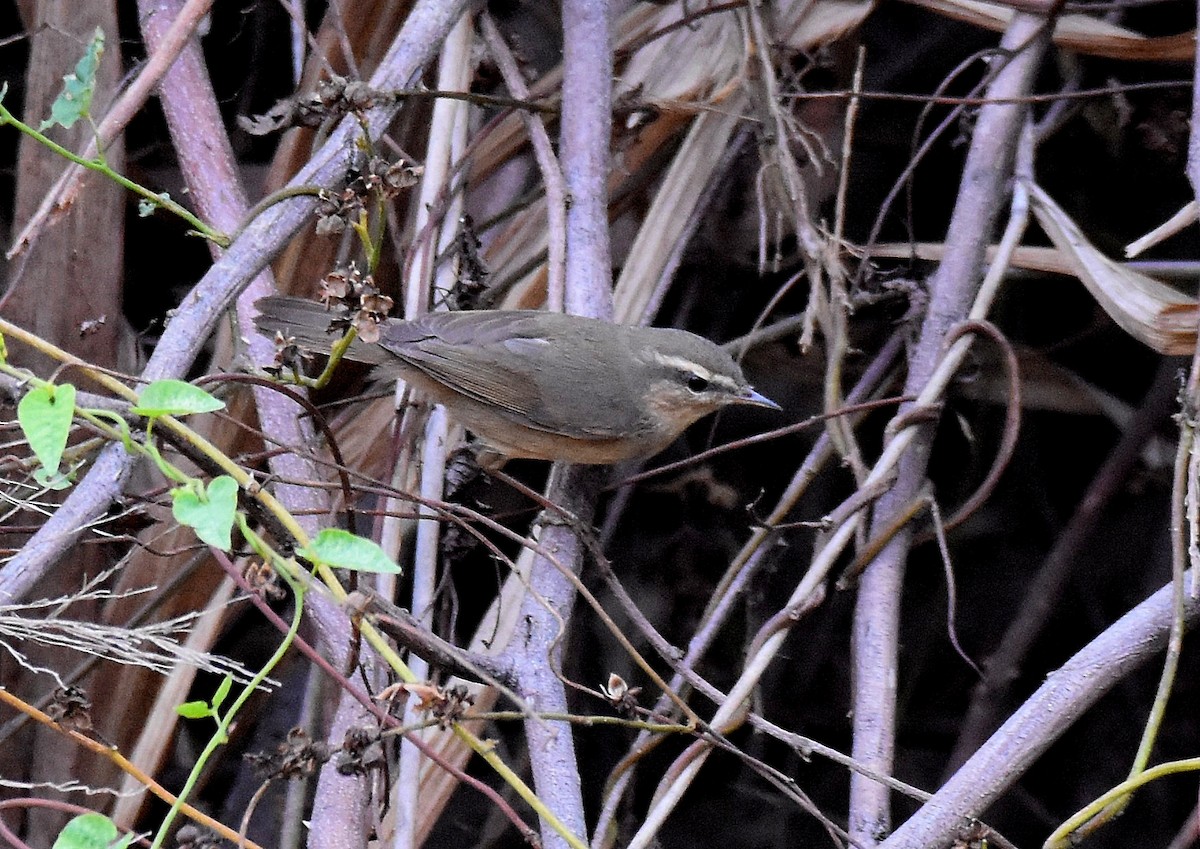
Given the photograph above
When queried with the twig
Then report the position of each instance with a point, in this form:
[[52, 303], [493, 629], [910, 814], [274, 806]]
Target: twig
[[111, 754], [543, 152], [438, 213], [1012, 420]]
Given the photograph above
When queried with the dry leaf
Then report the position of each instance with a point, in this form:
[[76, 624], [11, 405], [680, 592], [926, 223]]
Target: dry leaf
[[1149, 310], [1081, 33]]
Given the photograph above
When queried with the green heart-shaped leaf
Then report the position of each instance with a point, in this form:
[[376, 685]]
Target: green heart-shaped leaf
[[45, 415], [210, 514]]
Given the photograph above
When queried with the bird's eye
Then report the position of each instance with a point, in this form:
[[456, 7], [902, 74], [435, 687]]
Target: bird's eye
[[696, 383]]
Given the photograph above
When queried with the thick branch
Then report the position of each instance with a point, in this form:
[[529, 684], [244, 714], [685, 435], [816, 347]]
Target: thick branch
[[952, 289], [1135, 638], [584, 142]]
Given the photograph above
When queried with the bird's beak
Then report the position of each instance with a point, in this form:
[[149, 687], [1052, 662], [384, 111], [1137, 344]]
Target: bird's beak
[[749, 396]]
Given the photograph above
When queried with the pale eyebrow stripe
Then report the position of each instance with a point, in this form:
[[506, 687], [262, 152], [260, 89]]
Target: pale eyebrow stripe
[[687, 365], [682, 364]]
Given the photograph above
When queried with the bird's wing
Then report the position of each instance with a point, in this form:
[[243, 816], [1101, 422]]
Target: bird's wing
[[463, 352]]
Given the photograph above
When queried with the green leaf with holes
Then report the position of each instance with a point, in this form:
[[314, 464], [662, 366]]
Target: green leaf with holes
[[209, 511], [45, 415], [75, 99], [343, 550], [147, 207], [175, 398]]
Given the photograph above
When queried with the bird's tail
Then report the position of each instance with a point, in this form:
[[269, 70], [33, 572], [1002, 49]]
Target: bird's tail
[[312, 326]]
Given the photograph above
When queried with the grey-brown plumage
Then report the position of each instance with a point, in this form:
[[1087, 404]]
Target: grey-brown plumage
[[542, 385]]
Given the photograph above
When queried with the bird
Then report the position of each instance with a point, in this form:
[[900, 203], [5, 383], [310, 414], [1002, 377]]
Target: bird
[[538, 385]]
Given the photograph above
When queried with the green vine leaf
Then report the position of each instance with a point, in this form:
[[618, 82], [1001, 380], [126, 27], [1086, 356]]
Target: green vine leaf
[[343, 550], [209, 512], [193, 710], [75, 99], [175, 398], [222, 692], [45, 415], [92, 831], [210, 709]]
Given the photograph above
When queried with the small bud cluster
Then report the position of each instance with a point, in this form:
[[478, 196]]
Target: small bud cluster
[[297, 756], [445, 704], [355, 300], [337, 210], [332, 99]]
